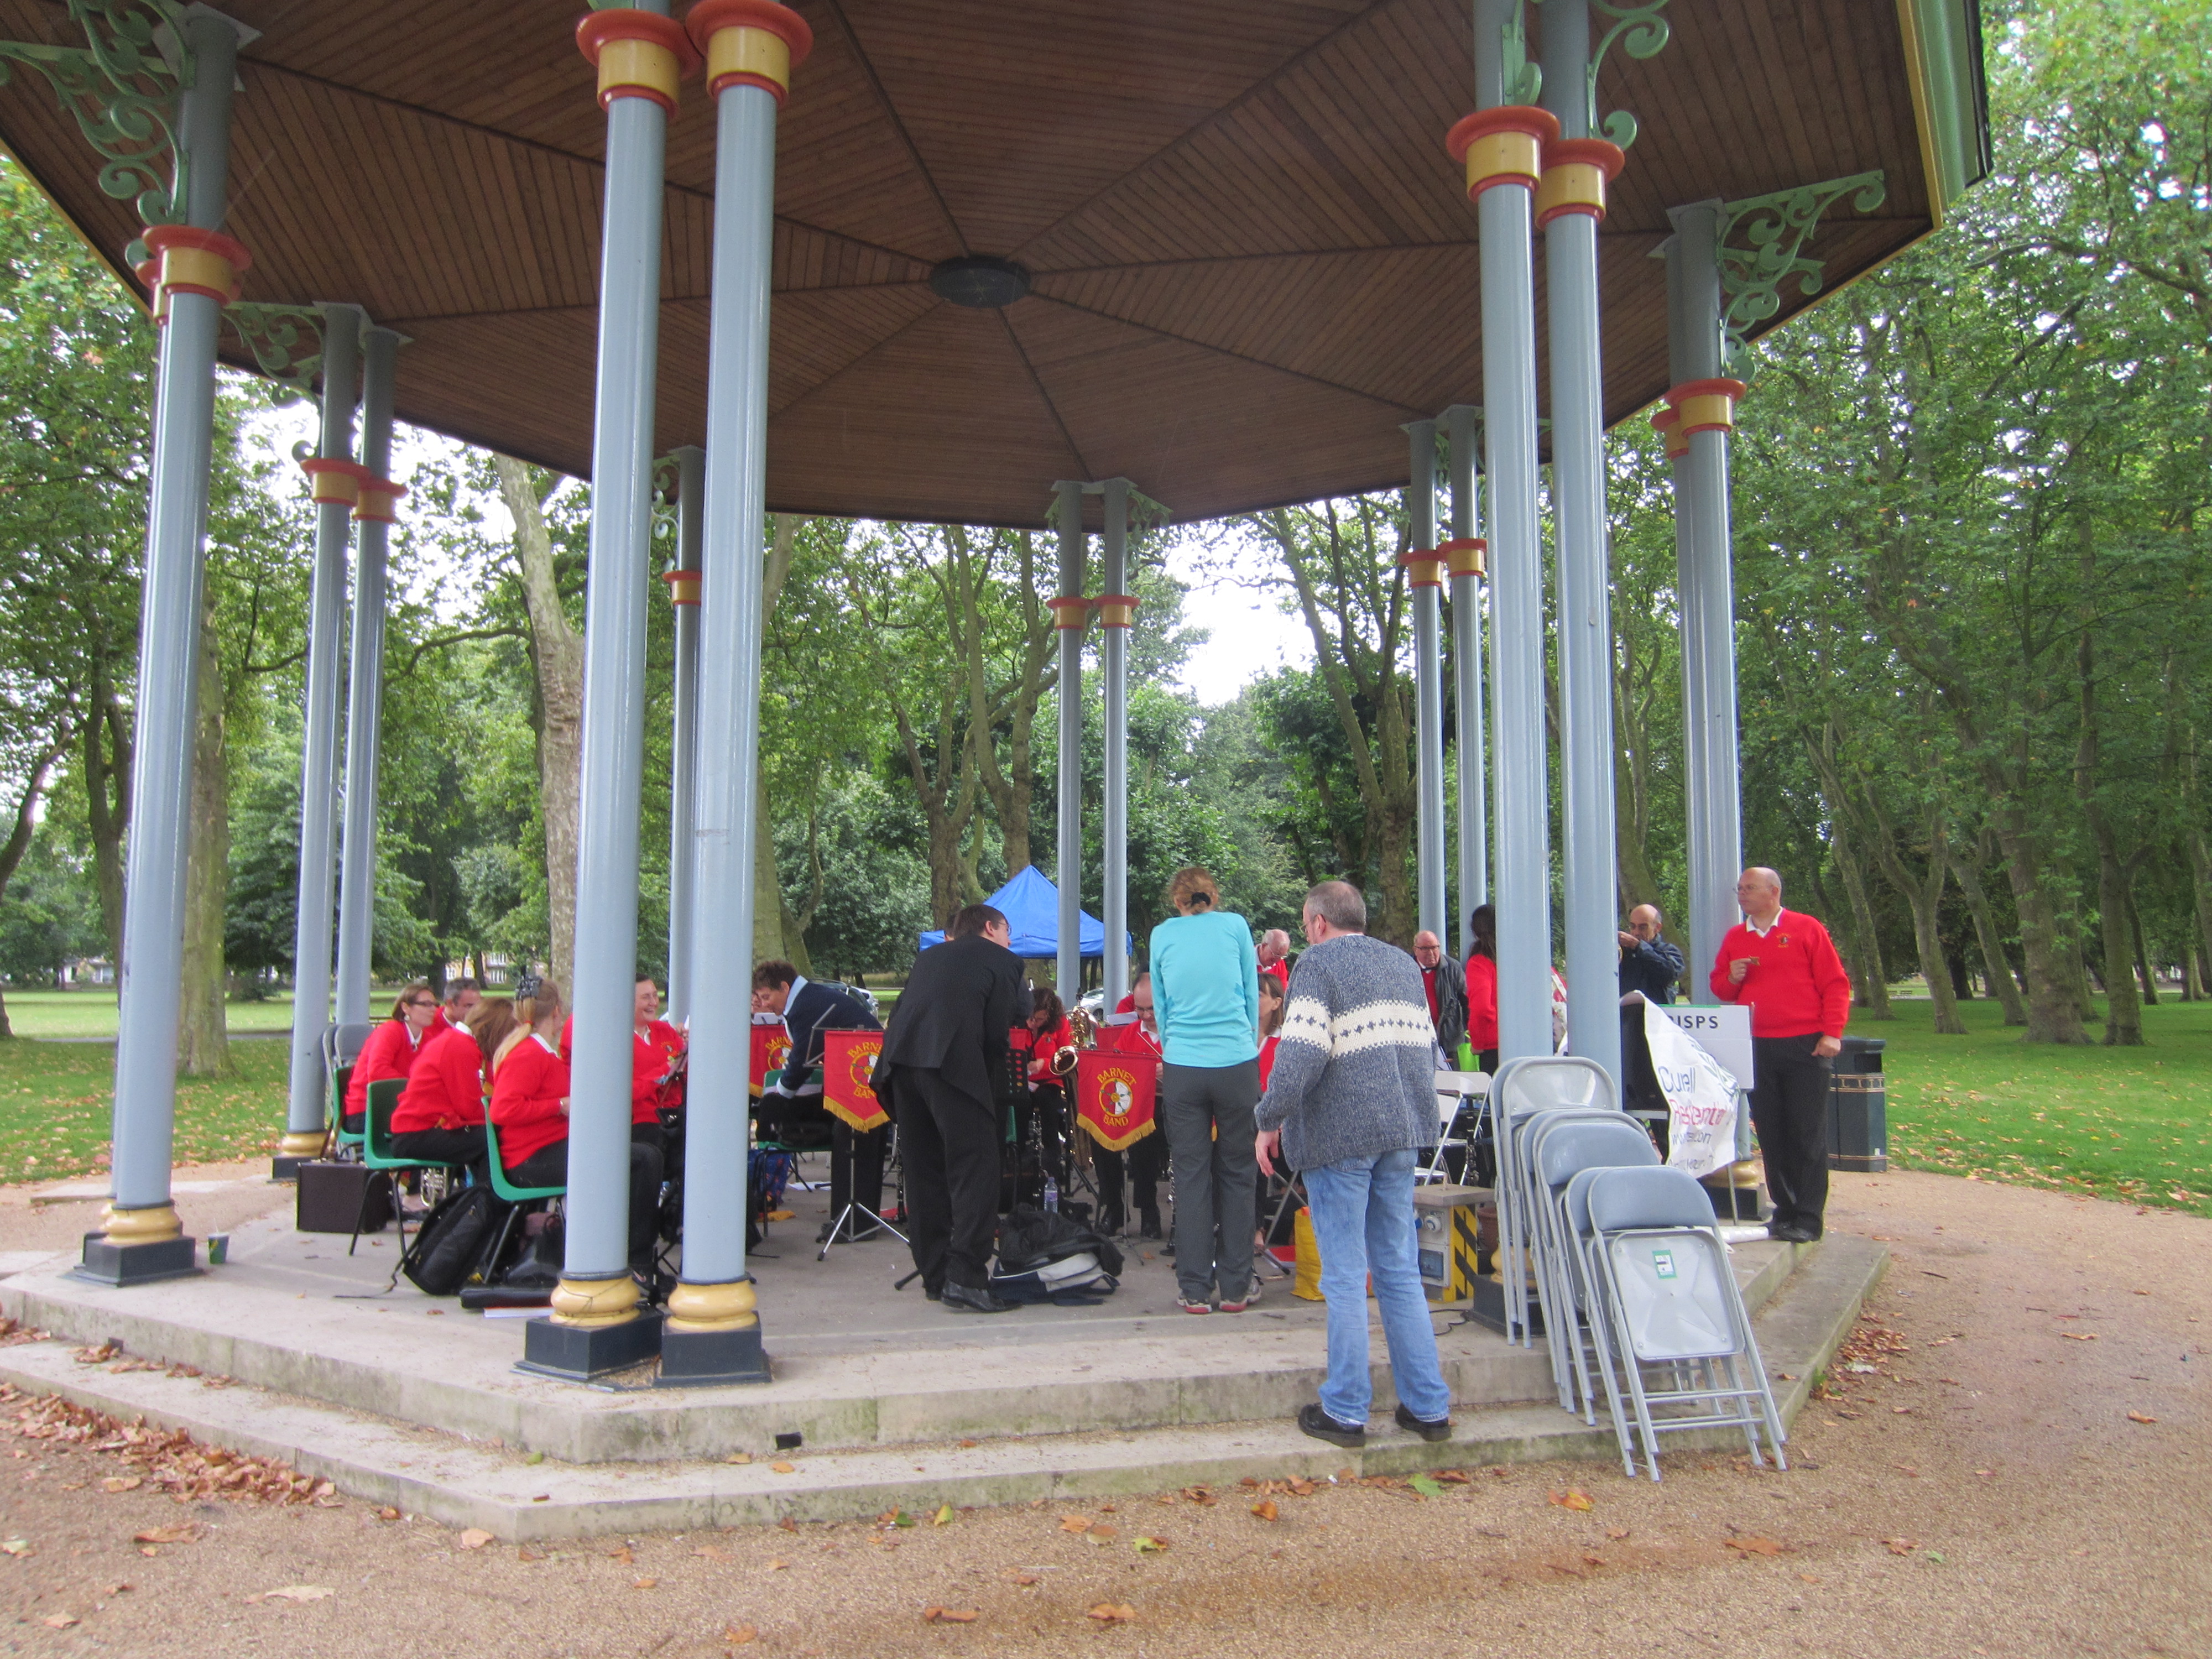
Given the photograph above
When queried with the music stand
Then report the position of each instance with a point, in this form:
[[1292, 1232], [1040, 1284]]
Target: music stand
[[837, 1226]]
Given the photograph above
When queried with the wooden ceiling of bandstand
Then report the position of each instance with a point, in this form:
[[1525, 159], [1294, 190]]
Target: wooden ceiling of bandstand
[[1252, 259]]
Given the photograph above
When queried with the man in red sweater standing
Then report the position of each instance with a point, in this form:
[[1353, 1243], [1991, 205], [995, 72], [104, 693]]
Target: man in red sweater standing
[[1784, 964]]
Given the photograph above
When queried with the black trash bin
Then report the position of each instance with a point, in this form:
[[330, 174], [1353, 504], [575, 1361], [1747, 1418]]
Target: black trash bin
[[1858, 1108]]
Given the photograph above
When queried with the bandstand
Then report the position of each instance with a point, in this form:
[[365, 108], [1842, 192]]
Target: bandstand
[[996, 264]]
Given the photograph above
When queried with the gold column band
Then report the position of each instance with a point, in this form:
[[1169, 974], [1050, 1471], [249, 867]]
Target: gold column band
[[301, 1143], [378, 497], [150, 1225], [748, 54], [683, 587], [1503, 158], [590, 1303], [1466, 556], [1426, 565], [1116, 609], [638, 68], [1068, 612], [1709, 411], [1571, 188], [712, 1307]]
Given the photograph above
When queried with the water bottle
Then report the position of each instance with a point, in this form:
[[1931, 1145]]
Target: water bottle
[[1051, 1193]]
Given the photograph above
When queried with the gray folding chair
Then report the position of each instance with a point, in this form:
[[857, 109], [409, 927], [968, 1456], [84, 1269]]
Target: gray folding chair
[[1562, 1150], [1454, 1090], [1679, 1329], [1521, 1088]]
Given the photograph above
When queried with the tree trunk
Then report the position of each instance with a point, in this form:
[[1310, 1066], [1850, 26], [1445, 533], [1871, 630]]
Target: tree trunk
[[768, 942], [1995, 966], [107, 737], [202, 1042], [2054, 1010], [19, 837], [556, 652], [1926, 899], [2143, 951], [1874, 978]]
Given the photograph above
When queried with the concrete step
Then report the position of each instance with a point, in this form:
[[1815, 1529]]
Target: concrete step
[[462, 1484]]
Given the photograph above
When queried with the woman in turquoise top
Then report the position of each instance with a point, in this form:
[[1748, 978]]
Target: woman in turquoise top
[[1206, 989]]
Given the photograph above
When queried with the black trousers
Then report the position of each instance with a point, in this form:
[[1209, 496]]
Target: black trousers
[[1145, 1163], [856, 1175], [465, 1145], [1790, 1109], [951, 1141], [1215, 1174], [549, 1167]]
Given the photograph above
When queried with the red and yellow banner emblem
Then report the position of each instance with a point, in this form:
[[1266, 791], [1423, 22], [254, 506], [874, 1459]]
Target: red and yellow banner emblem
[[849, 1062], [771, 1051], [1114, 1097]]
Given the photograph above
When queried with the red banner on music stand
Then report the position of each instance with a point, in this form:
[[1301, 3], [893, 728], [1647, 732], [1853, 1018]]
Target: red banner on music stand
[[771, 1049], [1114, 1097], [848, 1060]]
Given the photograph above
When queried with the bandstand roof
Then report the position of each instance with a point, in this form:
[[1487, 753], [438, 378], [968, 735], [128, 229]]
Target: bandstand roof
[[1251, 258]]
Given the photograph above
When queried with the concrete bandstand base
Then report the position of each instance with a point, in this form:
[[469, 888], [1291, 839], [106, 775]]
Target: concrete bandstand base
[[878, 1399]]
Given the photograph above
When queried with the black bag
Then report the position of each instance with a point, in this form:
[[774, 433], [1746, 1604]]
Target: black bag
[[538, 1266], [1031, 1238], [451, 1239]]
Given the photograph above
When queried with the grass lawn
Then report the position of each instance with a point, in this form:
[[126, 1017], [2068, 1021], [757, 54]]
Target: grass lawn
[[2126, 1123], [92, 1013], [57, 1101]]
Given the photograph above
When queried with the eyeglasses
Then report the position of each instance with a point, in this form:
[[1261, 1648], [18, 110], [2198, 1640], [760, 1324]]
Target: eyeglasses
[[422, 1002]]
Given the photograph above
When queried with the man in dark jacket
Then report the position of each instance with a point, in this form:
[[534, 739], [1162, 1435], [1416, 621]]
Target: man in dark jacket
[[1443, 976], [1648, 963], [811, 1011], [945, 1048]]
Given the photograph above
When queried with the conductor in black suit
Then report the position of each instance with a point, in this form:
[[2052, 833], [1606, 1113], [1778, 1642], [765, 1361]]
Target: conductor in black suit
[[811, 1011], [945, 1046]]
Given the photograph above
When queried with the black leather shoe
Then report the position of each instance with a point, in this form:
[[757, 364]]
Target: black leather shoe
[[1112, 1221], [1792, 1235], [1321, 1426], [934, 1295], [1439, 1430], [1149, 1223], [970, 1298]]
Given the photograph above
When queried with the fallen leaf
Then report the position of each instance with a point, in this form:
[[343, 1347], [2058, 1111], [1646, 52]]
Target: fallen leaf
[[475, 1539], [300, 1593], [1616, 1533], [1075, 1523], [737, 1635], [60, 1620], [535, 1458], [740, 1457], [1754, 1546], [16, 1546], [1200, 1494], [970, 1444], [901, 1518], [1427, 1487], [778, 1566], [2140, 1417], [1025, 1579], [1937, 1556], [387, 1514], [1113, 1612], [784, 1468], [2079, 1336], [1453, 1477], [1573, 1498], [162, 1535], [525, 1555], [1902, 1546], [1265, 1509], [943, 1517], [779, 1215], [123, 1483], [1147, 1546], [643, 1583], [948, 1615], [623, 1555], [1593, 1560], [1809, 1578]]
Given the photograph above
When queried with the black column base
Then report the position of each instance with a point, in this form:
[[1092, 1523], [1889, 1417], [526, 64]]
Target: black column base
[[124, 1264], [285, 1166], [706, 1359], [577, 1354]]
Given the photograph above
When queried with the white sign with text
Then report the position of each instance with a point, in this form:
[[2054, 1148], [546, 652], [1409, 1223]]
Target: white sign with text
[[1700, 1095], [1722, 1031]]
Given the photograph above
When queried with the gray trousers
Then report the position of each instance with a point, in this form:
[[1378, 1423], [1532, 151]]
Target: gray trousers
[[1216, 1176]]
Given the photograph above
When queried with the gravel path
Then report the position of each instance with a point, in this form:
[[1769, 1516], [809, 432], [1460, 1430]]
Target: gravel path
[[1983, 1488]]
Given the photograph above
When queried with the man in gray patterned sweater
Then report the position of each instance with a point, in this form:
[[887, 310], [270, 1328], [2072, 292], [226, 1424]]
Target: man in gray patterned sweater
[[1350, 1102]]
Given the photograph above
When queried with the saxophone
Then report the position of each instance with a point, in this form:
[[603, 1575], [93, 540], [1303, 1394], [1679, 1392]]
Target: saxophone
[[1085, 1030]]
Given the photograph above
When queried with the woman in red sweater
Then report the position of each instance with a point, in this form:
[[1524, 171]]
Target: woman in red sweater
[[1482, 989], [530, 1104], [441, 1116], [656, 1047], [391, 1050]]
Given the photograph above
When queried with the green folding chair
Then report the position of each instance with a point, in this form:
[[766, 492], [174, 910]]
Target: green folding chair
[[515, 1196], [376, 1152]]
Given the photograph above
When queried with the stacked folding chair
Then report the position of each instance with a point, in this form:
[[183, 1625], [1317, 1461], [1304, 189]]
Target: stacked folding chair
[[1560, 1153], [1525, 1095], [1666, 1311], [1455, 1090]]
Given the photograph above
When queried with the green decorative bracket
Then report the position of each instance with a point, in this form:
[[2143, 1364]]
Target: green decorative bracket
[[1639, 30], [1524, 80], [1776, 229], [287, 340], [123, 93]]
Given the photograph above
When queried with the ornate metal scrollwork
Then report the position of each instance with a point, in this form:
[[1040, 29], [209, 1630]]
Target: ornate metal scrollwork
[[122, 90], [1524, 79], [287, 340], [1775, 228], [1639, 30]]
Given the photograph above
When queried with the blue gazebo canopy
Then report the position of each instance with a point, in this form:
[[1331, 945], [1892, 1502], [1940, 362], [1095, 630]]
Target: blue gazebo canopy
[[1032, 904]]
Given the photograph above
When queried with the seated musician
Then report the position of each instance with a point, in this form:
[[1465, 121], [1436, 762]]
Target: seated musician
[[656, 1048], [391, 1050], [441, 1116], [1133, 1031], [811, 1011], [1042, 1039]]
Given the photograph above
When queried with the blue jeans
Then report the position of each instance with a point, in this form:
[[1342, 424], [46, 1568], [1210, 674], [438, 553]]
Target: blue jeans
[[1363, 1223]]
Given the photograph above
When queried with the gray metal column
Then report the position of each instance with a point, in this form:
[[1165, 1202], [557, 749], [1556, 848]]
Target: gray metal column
[[597, 1293], [1517, 661], [683, 595], [365, 690], [713, 1332], [1428, 678], [336, 491], [1702, 540], [1115, 610], [1072, 615], [1576, 171], [1468, 565], [142, 1238]]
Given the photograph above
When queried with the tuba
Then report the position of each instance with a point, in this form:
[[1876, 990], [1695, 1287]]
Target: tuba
[[1085, 1032]]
